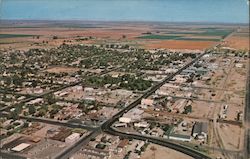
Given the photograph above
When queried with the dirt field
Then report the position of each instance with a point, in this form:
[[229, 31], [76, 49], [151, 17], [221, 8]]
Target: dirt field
[[180, 44], [122, 33], [62, 69], [238, 42], [162, 153]]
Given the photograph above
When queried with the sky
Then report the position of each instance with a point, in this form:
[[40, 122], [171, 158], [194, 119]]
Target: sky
[[220, 11]]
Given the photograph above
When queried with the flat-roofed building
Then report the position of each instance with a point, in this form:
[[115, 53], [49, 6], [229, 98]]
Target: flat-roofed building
[[72, 138], [20, 147], [200, 130]]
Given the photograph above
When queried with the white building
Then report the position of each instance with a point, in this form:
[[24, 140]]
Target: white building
[[72, 138], [141, 124], [179, 137], [20, 147], [36, 101], [124, 120], [139, 146]]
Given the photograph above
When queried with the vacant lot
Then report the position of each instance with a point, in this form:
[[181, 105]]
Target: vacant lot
[[60, 69]]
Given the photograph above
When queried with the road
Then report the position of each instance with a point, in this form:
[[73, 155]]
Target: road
[[246, 151], [83, 141], [59, 123], [160, 141]]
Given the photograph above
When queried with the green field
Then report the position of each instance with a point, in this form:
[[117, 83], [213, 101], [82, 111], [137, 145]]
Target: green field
[[173, 37], [198, 39], [14, 35], [216, 32], [159, 37], [207, 32]]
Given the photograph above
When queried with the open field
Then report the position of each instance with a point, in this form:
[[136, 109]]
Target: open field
[[155, 151], [179, 44], [25, 35], [14, 35], [62, 69]]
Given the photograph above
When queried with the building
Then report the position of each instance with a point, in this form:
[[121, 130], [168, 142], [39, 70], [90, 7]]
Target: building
[[20, 147], [148, 102], [180, 137], [200, 130], [141, 124], [72, 138], [35, 101], [139, 146], [123, 144], [124, 120], [120, 125]]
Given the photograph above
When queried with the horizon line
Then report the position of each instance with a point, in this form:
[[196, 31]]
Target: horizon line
[[130, 21]]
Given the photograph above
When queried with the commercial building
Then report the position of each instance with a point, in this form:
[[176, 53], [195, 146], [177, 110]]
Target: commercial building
[[200, 130]]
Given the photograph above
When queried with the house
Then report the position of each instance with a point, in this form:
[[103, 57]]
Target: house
[[200, 130]]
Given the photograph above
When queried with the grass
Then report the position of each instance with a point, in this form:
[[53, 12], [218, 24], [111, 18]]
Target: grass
[[198, 39], [14, 35], [160, 37]]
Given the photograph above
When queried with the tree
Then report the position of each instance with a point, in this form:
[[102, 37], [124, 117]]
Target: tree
[[50, 98], [187, 109], [32, 109]]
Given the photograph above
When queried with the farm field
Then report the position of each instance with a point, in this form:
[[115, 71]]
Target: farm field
[[26, 35]]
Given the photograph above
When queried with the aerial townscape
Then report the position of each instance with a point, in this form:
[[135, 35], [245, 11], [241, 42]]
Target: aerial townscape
[[114, 89]]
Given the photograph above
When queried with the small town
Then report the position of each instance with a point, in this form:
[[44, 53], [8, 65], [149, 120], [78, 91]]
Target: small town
[[109, 80]]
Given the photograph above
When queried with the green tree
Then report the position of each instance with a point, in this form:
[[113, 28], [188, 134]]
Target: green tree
[[32, 109]]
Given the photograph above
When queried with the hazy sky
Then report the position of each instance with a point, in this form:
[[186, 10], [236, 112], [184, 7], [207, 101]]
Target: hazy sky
[[228, 11]]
